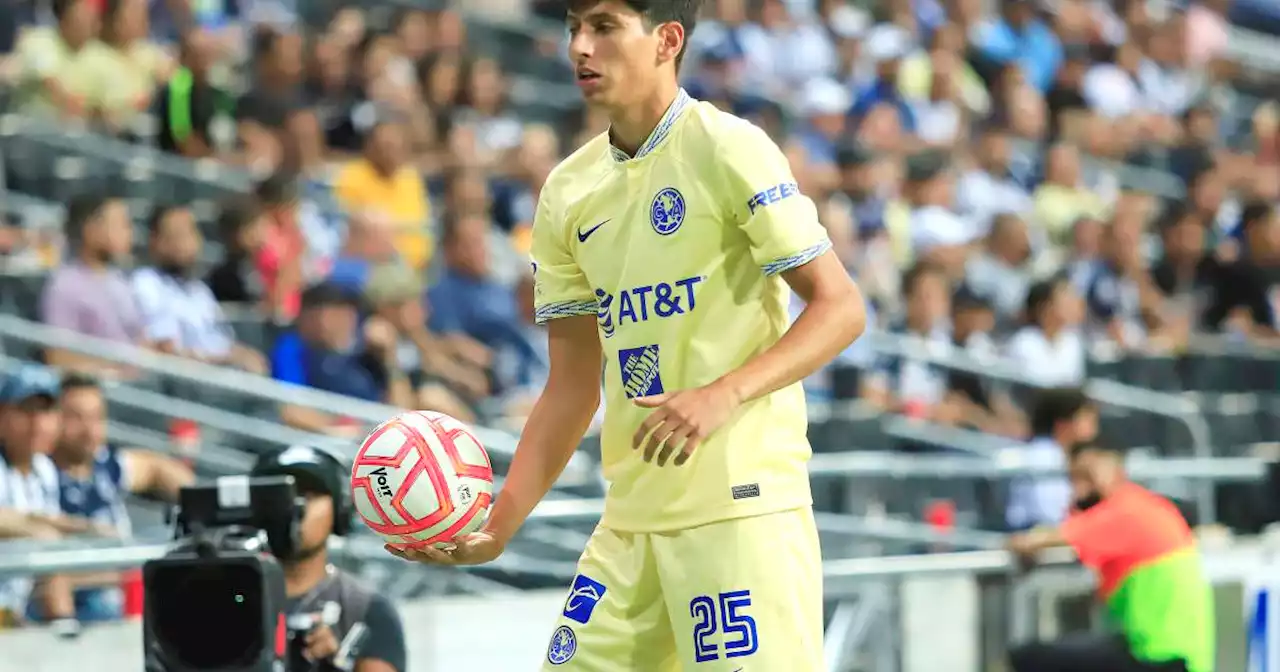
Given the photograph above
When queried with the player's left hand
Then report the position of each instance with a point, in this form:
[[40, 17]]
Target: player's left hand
[[681, 421], [321, 643]]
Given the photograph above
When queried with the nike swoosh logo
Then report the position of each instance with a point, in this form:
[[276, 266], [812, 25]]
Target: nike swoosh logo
[[583, 235]]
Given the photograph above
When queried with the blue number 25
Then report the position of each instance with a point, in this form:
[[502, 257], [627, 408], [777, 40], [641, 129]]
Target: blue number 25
[[732, 622]]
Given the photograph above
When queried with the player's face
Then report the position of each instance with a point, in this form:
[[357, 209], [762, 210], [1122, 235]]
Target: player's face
[[617, 57]]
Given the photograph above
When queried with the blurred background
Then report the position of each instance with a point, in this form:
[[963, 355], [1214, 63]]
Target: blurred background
[[269, 222]]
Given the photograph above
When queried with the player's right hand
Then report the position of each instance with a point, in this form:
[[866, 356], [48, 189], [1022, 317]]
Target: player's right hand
[[476, 548]]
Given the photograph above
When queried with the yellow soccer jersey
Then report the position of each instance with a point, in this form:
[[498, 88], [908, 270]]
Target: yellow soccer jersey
[[677, 253]]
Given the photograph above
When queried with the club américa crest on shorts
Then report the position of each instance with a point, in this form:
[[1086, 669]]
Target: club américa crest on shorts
[[564, 643], [666, 213], [641, 375]]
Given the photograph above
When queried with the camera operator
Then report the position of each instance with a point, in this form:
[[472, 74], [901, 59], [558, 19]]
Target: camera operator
[[335, 622]]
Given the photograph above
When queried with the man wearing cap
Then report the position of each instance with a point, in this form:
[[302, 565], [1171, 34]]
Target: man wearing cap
[[321, 352], [335, 622], [885, 46], [29, 491], [934, 233]]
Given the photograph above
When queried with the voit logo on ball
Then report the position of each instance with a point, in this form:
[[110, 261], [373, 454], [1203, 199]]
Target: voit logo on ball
[[380, 482]]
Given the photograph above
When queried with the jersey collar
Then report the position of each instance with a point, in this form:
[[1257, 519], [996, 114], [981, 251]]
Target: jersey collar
[[660, 132]]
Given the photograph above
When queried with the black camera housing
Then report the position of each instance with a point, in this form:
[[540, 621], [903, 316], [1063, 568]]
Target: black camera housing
[[215, 602]]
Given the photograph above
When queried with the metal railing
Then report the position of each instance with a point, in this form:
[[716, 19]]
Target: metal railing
[[580, 470], [1171, 406]]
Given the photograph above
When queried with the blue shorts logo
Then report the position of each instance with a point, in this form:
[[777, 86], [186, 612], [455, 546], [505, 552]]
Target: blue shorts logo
[[641, 375], [666, 213], [583, 598], [563, 645]]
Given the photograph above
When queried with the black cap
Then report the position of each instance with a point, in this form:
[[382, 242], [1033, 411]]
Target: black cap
[[313, 470], [327, 294], [927, 165], [854, 153]]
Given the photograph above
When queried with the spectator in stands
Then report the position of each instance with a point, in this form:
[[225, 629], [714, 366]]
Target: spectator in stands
[[137, 65], [1123, 300], [1060, 418], [1063, 197], [906, 383], [937, 234], [329, 350], [370, 244], [980, 406], [332, 603], [63, 69], [1150, 574], [394, 294], [179, 312], [885, 46], [497, 130], [383, 180], [1243, 294], [1186, 271], [989, 189], [196, 117], [1019, 37], [90, 294], [274, 99], [29, 505], [522, 367], [281, 260], [466, 304], [242, 229], [1001, 272], [94, 478], [1049, 349]]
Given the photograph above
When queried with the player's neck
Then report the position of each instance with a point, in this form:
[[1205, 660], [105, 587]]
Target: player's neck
[[631, 125]]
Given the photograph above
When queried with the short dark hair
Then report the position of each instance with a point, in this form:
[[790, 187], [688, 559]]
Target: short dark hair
[[918, 272], [1056, 405], [1254, 213], [80, 211], [1080, 448], [654, 12], [158, 214], [79, 381], [235, 216], [62, 7], [1040, 296]]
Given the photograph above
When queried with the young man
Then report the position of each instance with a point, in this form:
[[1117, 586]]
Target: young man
[[663, 251], [1148, 566]]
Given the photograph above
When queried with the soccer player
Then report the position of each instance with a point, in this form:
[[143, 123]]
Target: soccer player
[[663, 251]]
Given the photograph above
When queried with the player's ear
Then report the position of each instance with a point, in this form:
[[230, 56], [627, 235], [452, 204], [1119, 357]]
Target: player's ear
[[670, 40]]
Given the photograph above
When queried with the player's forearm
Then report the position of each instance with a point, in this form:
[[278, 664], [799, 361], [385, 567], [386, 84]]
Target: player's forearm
[[551, 435], [826, 326]]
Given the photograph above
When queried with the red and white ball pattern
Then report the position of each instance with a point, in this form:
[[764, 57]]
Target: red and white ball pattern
[[422, 478]]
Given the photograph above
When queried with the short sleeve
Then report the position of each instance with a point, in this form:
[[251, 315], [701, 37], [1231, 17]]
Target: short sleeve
[[160, 322], [58, 306], [560, 288], [1095, 534], [385, 640], [765, 201]]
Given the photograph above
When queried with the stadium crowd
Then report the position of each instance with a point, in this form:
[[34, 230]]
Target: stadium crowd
[[966, 163]]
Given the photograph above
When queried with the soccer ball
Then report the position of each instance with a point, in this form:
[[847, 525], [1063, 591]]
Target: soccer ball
[[422, 478]]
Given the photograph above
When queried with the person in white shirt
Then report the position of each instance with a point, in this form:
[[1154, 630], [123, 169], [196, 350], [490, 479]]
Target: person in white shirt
[[989, 189], [29, 505], [938, 235], [1060, 419], [1050, 350], [178, 309]]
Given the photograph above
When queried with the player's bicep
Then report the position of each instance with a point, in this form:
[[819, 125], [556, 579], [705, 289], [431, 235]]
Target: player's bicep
[[577, 360], [780, 222], [560, 288], [824, 277]]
